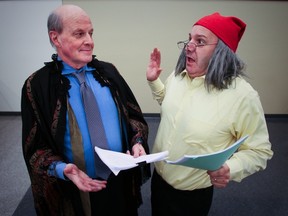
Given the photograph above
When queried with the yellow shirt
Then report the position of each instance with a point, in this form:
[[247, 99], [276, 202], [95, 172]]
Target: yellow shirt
[[195, 121]]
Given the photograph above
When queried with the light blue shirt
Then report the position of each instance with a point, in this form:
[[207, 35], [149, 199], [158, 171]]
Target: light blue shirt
[[108, 111]]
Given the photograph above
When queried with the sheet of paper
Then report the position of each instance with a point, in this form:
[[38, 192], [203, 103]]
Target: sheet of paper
[[118, 161], [211, 161]]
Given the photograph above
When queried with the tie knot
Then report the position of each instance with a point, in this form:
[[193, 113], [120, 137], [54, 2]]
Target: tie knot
[[80, 76]]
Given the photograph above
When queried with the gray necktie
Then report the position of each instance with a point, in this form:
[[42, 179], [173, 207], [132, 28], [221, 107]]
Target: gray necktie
[[95, 125]]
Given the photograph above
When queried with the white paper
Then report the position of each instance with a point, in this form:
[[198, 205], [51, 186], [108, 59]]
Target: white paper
[[118, 161]]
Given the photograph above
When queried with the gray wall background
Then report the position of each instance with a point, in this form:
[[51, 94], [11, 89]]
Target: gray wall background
[[125, 32], [24, 46]]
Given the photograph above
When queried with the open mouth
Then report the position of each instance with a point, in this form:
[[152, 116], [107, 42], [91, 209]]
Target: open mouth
[[190, 60]]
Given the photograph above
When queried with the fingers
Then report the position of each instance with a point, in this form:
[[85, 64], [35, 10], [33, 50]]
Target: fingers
[[96, 185], [156, 56], [153, 69], [82, 180], [138, 150], [90, 185], [221, 177], [219, 182]]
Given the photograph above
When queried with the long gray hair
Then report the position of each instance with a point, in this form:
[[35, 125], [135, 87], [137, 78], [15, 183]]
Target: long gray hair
[[223, 67]]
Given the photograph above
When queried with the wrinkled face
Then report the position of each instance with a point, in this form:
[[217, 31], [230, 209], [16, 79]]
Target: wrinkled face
[[74, 44], [201, 45]]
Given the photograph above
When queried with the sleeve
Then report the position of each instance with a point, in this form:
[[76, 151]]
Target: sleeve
[[157, 89], [56, 169], [37, 151], [137, 127], [252, 156], [133, 122]]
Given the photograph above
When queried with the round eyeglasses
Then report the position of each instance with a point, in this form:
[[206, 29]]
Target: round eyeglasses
[[183, 44]]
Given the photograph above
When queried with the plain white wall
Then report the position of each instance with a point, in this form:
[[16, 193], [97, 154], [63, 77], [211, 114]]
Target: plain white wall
[[127, 31], [24, 46]]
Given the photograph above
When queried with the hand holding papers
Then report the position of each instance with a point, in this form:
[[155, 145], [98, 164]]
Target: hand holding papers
[[211, 161], [117, 161]]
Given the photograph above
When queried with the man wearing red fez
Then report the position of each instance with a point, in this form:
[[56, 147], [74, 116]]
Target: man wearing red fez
[[206, 106]]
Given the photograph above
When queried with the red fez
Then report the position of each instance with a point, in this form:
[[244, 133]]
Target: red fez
[[228, 29]]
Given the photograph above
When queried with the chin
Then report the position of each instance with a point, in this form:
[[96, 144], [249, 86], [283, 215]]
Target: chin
[[191, 74], [87, 58]]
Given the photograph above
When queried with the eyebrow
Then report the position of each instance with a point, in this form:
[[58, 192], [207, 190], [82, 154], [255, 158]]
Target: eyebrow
[[198, 35]]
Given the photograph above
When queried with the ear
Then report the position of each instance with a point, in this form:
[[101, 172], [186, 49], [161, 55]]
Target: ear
[[54, 37]]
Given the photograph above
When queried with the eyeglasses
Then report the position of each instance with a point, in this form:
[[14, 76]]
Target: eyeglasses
[[183, 44]]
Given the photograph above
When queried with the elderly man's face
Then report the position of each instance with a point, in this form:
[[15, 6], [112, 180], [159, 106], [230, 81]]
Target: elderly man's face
[[75, 44]]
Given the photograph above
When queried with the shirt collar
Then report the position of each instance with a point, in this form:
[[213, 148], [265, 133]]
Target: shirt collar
[[184, 73], [67, 69]]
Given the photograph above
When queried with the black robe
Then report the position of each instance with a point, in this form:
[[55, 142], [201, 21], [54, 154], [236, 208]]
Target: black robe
[[43, 109]]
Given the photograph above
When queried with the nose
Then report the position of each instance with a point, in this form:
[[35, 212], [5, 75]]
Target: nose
[[191, 46], [89, 39]]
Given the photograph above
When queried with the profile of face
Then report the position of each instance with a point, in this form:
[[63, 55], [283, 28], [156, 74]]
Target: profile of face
[[74, 44], [200, 48]]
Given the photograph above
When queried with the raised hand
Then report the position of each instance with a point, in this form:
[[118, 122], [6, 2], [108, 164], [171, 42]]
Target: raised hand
[[83, 181], [153, 69]]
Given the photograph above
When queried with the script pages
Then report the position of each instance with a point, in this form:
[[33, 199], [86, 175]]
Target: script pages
[[118, 161], [211, 161]]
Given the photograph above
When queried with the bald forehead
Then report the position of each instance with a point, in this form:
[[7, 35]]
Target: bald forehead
[[68, 11]]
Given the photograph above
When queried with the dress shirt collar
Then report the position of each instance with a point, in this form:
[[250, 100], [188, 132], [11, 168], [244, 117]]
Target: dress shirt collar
[[184, 73], [67, 69]]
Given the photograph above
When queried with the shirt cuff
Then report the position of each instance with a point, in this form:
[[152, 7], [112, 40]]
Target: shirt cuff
[[56, 169], [156, 85], [60, 171], [235, 170]]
